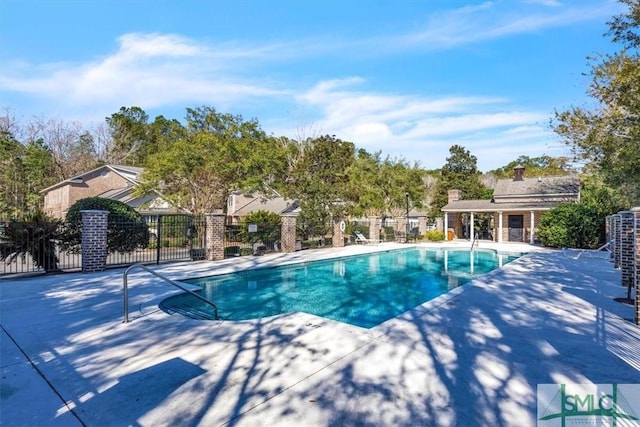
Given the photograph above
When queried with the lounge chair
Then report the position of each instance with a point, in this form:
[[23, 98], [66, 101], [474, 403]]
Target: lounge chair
[[360, 239], [603, 252]]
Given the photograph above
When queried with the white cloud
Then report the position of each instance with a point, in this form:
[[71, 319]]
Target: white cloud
[[492, 20], [553, 3], [423, 129], [167, 70], [150, 70]]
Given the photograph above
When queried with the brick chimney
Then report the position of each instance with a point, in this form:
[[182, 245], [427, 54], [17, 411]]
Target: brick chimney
[[518, 173], [454, 195]]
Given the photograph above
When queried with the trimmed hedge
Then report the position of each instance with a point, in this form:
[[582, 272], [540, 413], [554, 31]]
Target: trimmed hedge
[[126, 228]]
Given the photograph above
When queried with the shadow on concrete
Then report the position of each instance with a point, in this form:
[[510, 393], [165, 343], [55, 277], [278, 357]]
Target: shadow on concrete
[[474, 360], [135, 394]]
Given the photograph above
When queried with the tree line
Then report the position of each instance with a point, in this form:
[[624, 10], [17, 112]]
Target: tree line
[[197, 163]]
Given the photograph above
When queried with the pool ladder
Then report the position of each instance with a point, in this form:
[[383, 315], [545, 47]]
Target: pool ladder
[[166, 279]]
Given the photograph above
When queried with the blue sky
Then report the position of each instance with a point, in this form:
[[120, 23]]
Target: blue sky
[[409, 78]]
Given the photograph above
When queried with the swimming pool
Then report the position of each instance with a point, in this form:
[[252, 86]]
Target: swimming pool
[[363, 290]]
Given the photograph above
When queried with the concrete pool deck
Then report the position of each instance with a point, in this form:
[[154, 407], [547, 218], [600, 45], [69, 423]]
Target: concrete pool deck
[[470, 358]]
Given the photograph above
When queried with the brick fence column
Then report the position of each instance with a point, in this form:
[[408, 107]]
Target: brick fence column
[[636, 228], [627, 243], [288, 233], [374, 229], [215, 236], [401, 228], [94, 240], [422, 224], [616, 241], [338, 233]]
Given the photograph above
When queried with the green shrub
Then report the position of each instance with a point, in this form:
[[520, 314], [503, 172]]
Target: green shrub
[[245, 251], [173, 242], [555, 236], [575, 225], [126, 229], [434, 235], [310, 244], [387, 233], [268, 227]]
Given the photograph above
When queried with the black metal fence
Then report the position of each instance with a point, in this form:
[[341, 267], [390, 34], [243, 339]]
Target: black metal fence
[[32, 247], [312, 235], [55, 246], [169, 238], [50, 246], [252, 239]]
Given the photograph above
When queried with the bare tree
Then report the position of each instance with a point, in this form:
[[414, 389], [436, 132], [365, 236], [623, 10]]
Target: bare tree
[[73, 148]]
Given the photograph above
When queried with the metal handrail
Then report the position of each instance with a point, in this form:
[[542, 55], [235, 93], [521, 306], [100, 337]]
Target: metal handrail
[[475, 241], [166, 279]]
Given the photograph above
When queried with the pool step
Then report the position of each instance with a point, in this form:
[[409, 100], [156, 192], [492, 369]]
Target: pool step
[[190, 312]]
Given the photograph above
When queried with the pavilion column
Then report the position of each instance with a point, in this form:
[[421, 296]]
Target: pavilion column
[[446, 226], [472, 230], [532, 224], [499, 226]]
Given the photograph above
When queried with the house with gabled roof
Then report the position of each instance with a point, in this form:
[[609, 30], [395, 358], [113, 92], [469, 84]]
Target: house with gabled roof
[[241, 204], [114, 182], [512, 215], [118, 182]]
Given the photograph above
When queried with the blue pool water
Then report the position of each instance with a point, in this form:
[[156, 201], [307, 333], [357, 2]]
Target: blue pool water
[[360, 290]]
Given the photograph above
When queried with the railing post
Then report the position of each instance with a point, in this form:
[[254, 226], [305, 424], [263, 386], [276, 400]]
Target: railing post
[[125, 286], [158, 234], [125, 289]]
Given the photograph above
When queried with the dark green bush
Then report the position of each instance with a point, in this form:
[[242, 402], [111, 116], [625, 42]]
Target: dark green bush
[[176, 225], [574, 225], [268, 227], [387, 233], [126, 228]]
